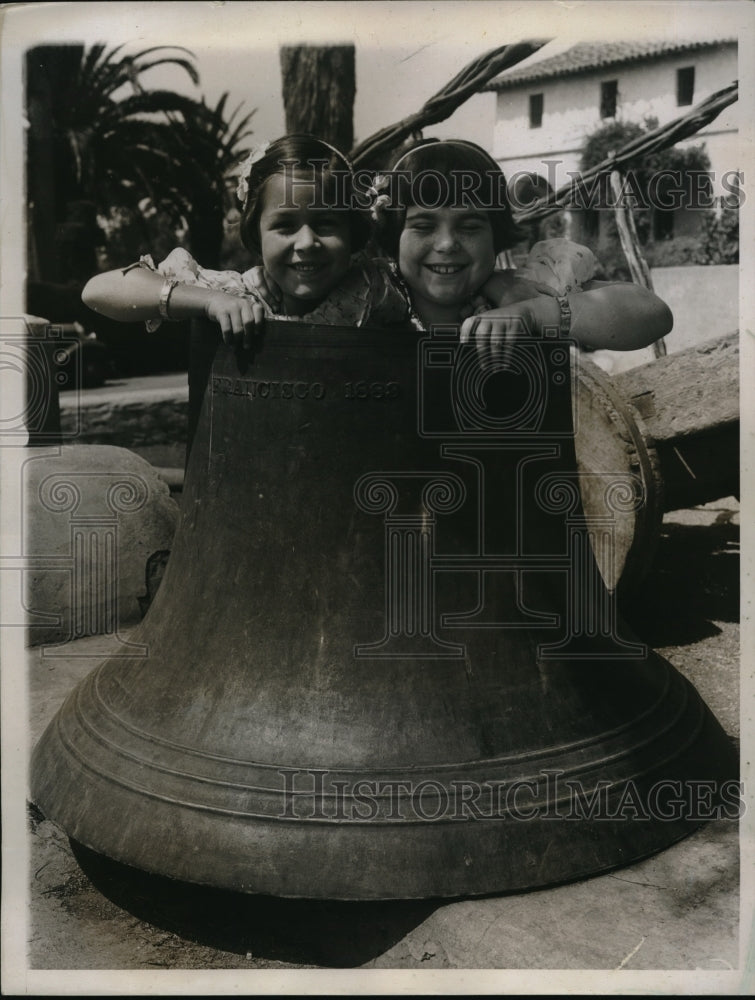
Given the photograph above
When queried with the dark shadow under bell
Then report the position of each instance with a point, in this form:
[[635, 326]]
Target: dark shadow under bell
[[304, 932]]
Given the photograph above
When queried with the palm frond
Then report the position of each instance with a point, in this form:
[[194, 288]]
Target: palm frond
[[190, 68], [166, 48], [158, 102], [117, 140]]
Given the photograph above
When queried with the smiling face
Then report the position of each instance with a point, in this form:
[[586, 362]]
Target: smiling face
[[306, 250], [445, 256]]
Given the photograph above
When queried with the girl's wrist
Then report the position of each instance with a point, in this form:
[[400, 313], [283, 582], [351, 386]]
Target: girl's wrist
[[565, 316], [187, 302], [548, 312], [163, 305]]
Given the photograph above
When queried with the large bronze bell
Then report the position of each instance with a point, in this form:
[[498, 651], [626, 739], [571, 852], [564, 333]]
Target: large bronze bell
[[382, 662]]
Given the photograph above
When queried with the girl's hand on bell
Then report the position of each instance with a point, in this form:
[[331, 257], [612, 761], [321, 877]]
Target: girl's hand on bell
[[495, 333], [237, 317], [266, 288]]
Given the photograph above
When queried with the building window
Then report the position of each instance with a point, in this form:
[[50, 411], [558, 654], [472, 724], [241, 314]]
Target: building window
[[685, 85], [609, 90], [536, 110]]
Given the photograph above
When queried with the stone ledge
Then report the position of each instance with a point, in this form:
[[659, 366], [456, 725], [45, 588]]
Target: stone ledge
[[132, 415]]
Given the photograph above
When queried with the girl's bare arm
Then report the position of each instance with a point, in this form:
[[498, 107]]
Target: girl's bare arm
[[617, 316], [134, 296]]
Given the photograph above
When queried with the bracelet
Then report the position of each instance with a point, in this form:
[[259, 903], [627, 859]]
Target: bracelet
[[165, 293], [565, 323]]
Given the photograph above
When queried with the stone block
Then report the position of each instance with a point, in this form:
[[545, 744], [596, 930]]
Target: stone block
[[98, 523]]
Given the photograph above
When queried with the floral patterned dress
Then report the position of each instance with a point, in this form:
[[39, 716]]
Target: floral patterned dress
[[365, 296], [372, 292]]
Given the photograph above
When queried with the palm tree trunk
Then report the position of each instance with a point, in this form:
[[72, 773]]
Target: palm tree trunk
[[49, 183], [319, 85], [207, 234]]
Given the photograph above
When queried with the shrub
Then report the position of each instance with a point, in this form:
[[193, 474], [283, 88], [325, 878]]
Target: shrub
[[678, 251], [719, 237], [718, 240]]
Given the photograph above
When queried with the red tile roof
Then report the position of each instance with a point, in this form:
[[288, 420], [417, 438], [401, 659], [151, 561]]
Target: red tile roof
[[587, 56]]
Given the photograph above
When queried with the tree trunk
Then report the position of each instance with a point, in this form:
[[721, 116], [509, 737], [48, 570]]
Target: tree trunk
[[48, 68], [318, 91]]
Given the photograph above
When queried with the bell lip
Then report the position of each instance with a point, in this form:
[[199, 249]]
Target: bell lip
[[684, 830], [347, 861], [395, 889]]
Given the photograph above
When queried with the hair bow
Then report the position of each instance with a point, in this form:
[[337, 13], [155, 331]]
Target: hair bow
[[245, 169], [379, 198]]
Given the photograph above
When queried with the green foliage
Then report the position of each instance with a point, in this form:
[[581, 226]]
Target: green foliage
[[612, 264], [607, 139], [718, 239], [675, 252], [718, 243], [210, 146], [152, 163], [128, 233]]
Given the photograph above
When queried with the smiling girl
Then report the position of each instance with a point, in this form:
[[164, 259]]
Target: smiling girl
[[444, 257], [302, 217], [445, 221]]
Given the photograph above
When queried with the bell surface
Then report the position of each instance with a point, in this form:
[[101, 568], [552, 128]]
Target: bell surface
[[382, 662]]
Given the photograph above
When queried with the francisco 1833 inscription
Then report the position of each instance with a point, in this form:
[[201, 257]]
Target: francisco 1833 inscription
[[372, 390], [271, 389], [266, 389]]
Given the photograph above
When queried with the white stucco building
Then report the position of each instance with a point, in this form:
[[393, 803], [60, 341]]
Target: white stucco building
[[549, 104]]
